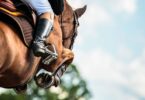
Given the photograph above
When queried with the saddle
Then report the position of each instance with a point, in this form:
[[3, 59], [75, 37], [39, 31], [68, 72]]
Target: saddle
[[21, 16]]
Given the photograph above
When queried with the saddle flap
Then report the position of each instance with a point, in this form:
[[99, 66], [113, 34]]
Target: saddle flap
[[24, 23]]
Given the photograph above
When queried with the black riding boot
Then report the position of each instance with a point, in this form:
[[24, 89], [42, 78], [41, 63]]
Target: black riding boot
[[43, 29]]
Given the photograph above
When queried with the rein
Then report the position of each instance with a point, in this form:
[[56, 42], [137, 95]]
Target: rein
[[73, 35]]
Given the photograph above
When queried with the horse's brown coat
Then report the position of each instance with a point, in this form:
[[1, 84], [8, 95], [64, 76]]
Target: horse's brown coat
[[17, 62]]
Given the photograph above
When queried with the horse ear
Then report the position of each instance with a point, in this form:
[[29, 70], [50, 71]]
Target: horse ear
[[80, 11]]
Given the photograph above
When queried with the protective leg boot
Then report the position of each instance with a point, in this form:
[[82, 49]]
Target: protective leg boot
[[43, 30]]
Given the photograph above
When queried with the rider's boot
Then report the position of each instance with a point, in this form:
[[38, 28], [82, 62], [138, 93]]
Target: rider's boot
[[43, 29]]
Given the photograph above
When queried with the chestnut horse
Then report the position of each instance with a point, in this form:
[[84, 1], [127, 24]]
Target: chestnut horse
[[18, 65]]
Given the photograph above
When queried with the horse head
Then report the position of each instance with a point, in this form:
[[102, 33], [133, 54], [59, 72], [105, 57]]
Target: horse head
[[69, 24], [63, 36]]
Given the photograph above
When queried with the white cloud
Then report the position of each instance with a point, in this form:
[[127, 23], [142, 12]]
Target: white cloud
[[127, 6], [97, 14], [124, 53], [99, 66], [76, 3]]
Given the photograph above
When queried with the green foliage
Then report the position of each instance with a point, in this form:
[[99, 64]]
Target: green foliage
[[72, 87]]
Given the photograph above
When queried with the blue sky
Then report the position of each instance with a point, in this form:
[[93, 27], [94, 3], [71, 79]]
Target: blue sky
[[110, 48]]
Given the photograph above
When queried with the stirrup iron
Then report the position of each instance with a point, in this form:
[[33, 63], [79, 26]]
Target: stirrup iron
[[52, 55]]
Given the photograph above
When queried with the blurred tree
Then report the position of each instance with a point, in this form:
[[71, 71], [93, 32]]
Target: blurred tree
[[72, 87]]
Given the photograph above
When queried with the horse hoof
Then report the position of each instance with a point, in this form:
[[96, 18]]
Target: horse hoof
[[21, 89]]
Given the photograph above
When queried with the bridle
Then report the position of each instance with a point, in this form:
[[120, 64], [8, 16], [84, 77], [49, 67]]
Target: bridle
[[73, 35]]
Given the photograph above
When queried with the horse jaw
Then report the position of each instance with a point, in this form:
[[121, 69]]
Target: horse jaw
[[80, 11]]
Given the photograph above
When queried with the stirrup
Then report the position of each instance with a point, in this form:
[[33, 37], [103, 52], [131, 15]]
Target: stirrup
[[51, 55]]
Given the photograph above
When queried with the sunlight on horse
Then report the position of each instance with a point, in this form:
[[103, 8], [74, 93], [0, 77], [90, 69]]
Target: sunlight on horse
[[18, 65]]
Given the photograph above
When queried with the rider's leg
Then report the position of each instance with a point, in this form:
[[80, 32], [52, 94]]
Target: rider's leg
[[43, 29], [44, 24]]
